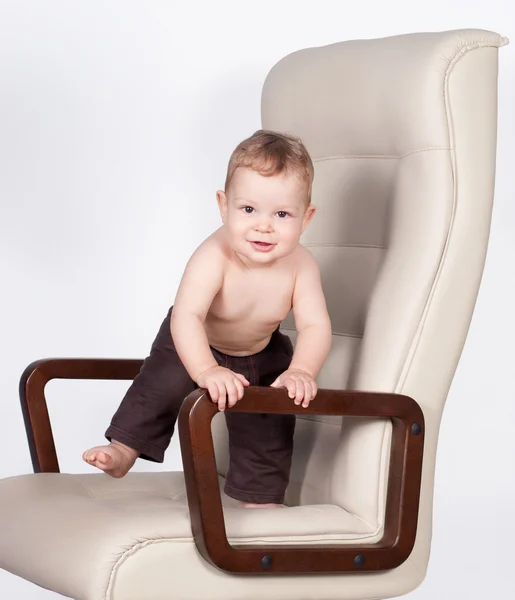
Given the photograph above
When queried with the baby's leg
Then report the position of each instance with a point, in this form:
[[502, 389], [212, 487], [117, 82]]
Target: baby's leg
[[260, 450], [115, 460], [144, 422], [261, 445]]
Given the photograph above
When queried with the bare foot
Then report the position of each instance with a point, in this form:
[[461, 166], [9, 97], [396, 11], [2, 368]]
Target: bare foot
[[252, 505], [115, 460]]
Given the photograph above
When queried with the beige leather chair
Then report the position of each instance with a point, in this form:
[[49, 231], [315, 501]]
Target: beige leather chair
[[402, 131]]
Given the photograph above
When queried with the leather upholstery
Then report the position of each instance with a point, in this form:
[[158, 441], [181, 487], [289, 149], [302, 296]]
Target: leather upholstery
[[402, 131]]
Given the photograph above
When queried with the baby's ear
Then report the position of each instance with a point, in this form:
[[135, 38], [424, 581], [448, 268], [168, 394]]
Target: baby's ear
[[221, 198], [308, 215]]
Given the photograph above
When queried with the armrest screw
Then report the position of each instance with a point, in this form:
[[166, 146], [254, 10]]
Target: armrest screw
[[266, 562], [416, 429], [359, 560]]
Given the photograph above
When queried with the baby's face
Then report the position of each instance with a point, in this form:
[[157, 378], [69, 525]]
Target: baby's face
[[264, 216]]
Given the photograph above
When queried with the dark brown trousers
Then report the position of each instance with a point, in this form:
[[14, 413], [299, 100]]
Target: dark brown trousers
[[260, 445]]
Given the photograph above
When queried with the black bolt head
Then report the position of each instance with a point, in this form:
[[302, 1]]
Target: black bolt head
[[359, 560], [416, 428]]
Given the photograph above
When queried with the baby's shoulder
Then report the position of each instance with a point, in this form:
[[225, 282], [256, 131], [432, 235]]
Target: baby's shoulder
[[210, 252], [214, 244], [305, 266], [302, 258]]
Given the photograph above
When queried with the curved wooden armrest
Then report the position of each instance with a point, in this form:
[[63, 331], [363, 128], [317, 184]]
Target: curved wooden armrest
[[33, 402], [403, 494]]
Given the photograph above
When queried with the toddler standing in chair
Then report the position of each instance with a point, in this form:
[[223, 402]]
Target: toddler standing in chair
[[223, 331]]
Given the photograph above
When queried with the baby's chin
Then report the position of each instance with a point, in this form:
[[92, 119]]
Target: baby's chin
[[268, 258], [257, 258]]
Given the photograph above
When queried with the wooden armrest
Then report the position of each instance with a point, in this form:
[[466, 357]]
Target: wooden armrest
[[33, 402], [403, 494]]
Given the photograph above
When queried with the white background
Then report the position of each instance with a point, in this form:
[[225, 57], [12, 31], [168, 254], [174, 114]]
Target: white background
[[116, 123]]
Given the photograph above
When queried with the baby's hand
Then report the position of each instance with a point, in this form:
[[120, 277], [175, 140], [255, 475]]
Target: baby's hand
[[300, 385], [221, 382]]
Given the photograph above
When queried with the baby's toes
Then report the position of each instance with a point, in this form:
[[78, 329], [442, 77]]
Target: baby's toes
[[102, 458]]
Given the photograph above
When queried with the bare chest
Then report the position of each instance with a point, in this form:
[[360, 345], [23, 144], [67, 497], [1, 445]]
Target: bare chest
[[264, 298]]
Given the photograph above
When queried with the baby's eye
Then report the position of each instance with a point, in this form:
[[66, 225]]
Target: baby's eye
[[248, 209], [282, 214]]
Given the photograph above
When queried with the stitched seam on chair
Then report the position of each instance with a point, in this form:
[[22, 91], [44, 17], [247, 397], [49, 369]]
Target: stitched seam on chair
[[313, 419], [410, 357], [417, 569], [372, 533], [379, 515], [387, 156], [314, 538], [351, 335], [382, 467], [126, 493], [132, 550], [457, 56], [418, 334], [133, 493], [141, 545], [87, 488]]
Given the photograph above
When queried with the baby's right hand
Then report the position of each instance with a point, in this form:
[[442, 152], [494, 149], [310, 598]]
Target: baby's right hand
[[224, 386]]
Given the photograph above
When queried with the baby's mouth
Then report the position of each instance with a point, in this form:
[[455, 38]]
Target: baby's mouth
[[262, 246]]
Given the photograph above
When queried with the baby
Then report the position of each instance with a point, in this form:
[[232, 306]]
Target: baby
[[223, 331]]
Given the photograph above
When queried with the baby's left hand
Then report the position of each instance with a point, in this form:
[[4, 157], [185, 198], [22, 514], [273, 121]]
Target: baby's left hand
[[300, 385]]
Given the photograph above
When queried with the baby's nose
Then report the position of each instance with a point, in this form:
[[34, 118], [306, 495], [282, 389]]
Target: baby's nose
[[264, 226]]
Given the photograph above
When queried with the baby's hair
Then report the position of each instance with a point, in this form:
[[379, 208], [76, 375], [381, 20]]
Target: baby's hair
[[271, 153]]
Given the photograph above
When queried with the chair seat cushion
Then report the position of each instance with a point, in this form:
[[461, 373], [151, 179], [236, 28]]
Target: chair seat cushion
[[70, 533]]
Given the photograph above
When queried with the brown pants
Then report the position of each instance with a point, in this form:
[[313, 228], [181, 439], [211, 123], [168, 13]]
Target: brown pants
[[260, 445]]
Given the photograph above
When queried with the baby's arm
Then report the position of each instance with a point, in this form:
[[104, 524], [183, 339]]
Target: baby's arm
[[314, 333], [201, 281]]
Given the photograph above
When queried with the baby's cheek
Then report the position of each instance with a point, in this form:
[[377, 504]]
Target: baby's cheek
[[291, 236], [240, 228]]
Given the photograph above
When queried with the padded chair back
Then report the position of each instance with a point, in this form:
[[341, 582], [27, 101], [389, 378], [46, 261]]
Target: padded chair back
[[402, 132]]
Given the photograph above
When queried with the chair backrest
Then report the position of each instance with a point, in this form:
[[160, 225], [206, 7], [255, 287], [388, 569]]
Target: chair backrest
[[402, 132]]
